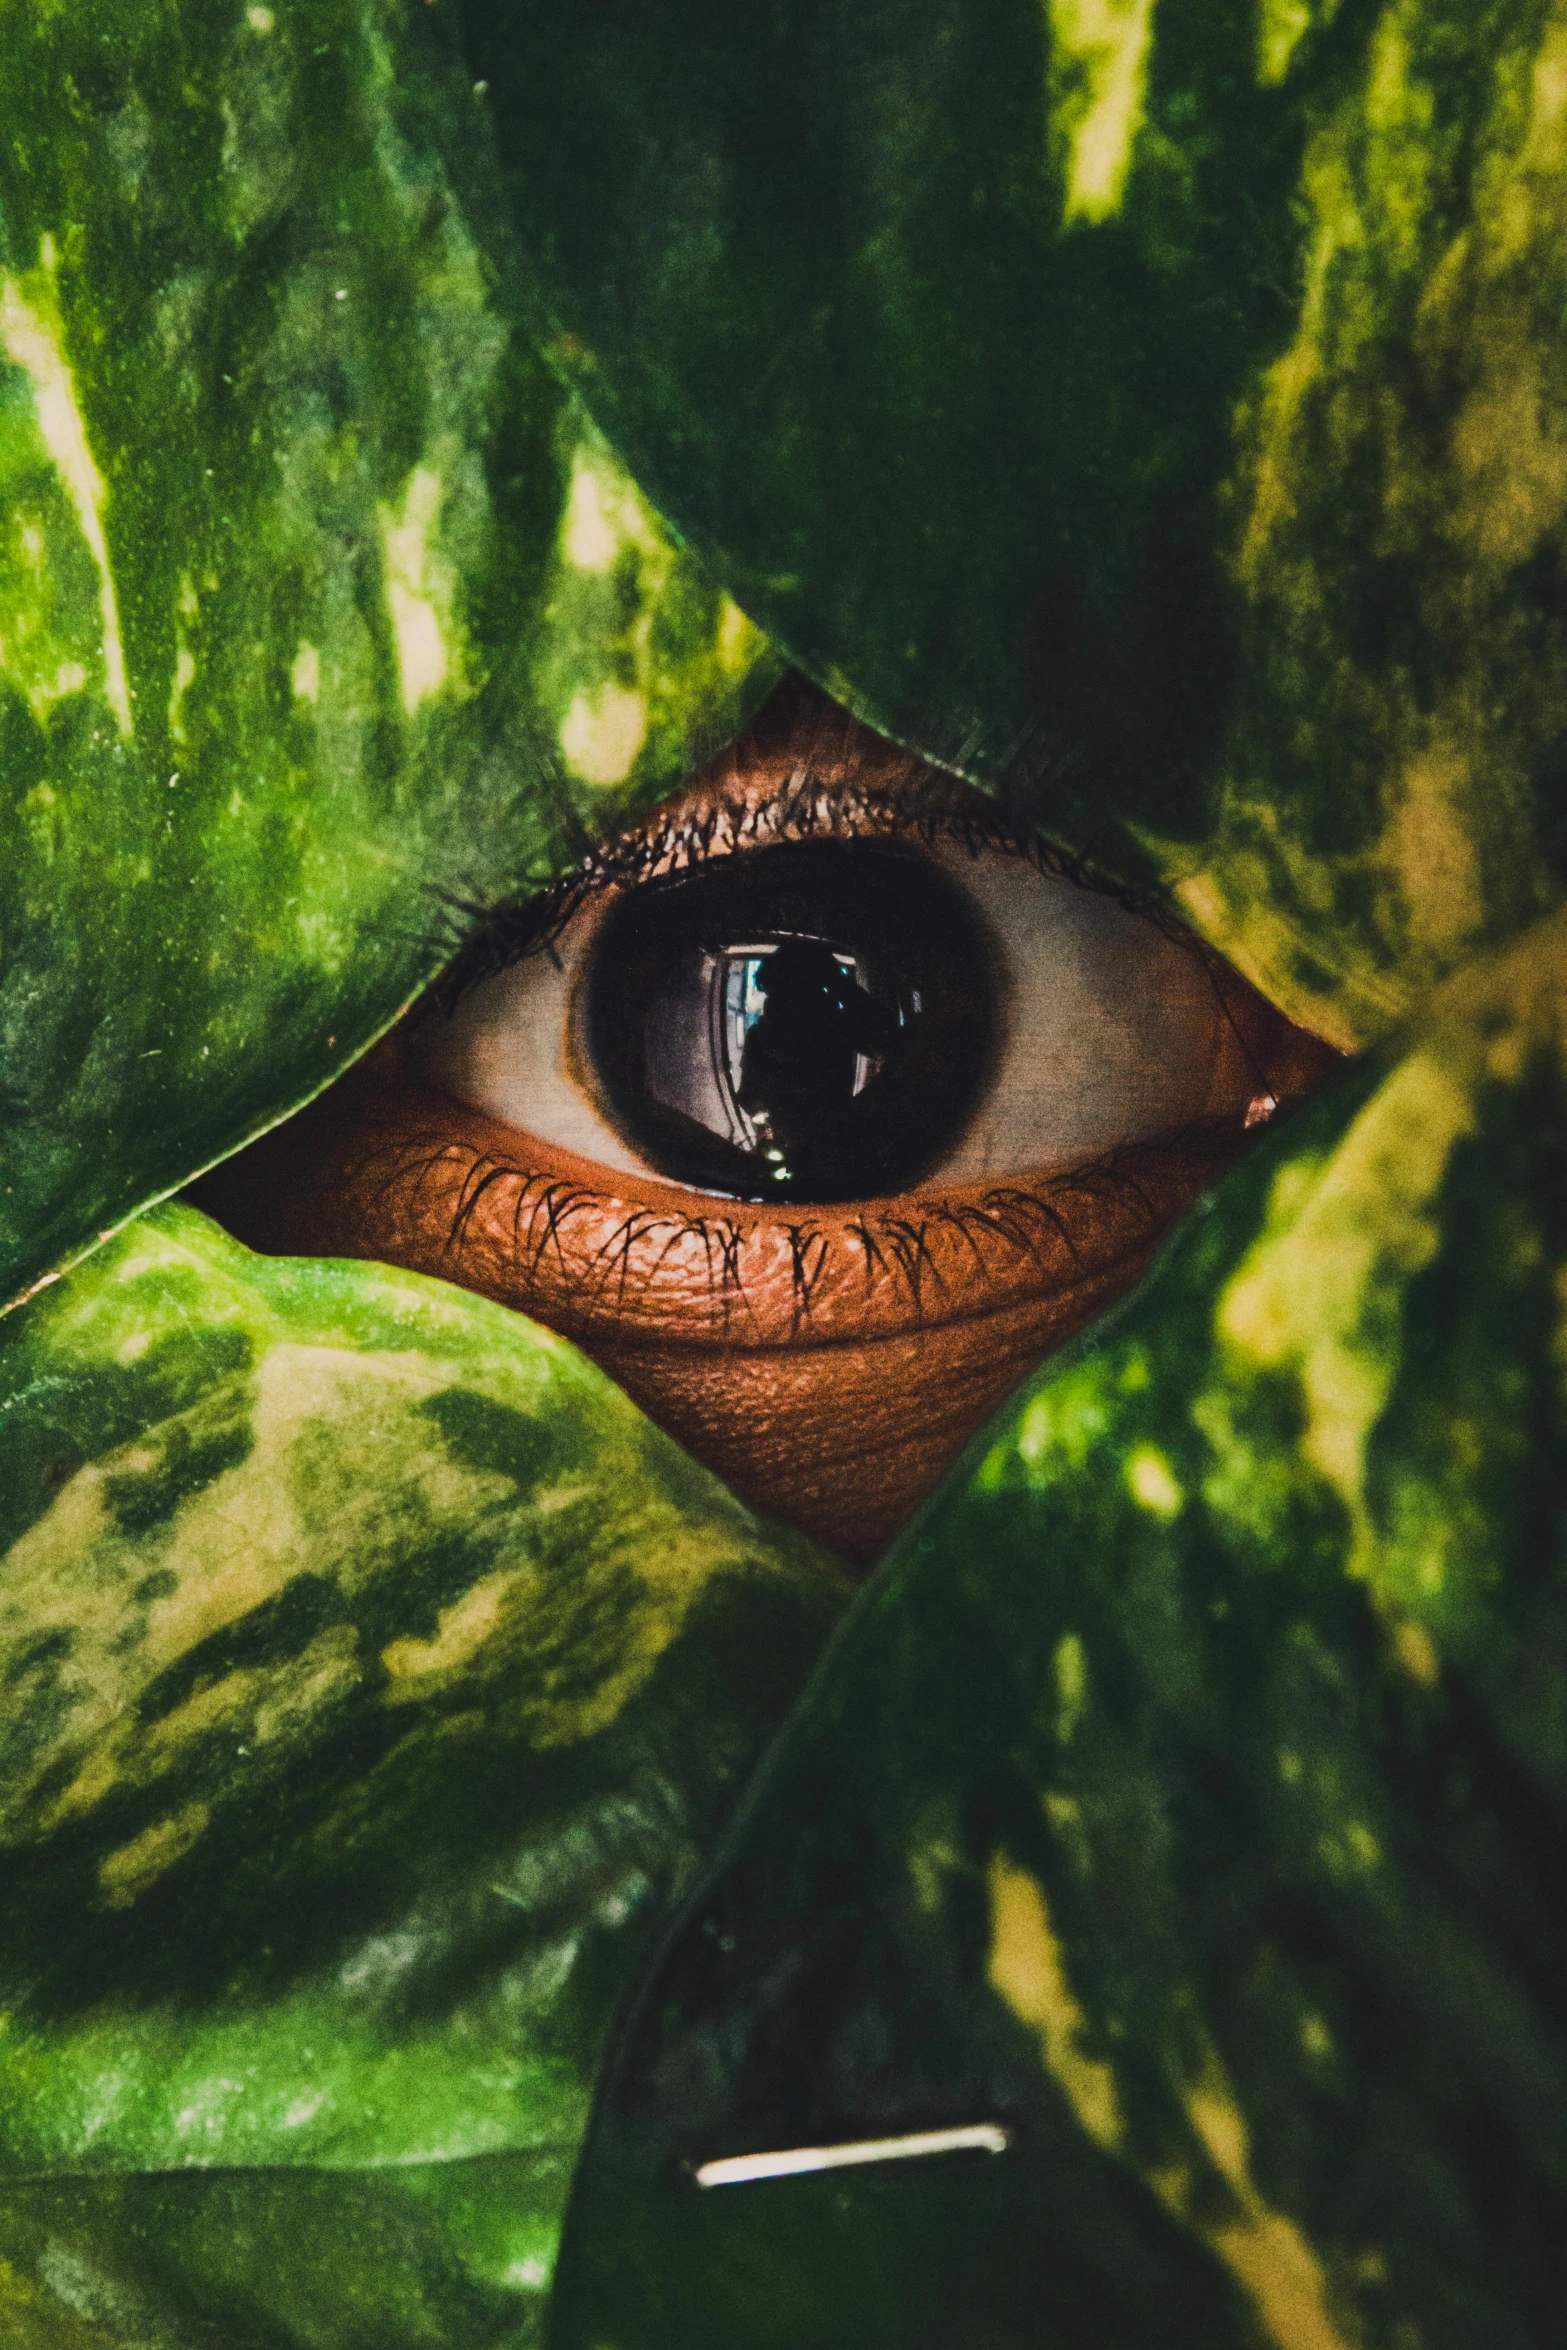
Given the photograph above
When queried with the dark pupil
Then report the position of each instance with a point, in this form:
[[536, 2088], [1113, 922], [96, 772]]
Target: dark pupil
[[804, 1023]]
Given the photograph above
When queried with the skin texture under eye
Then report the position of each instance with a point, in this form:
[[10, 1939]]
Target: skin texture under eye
[[827, 1362]]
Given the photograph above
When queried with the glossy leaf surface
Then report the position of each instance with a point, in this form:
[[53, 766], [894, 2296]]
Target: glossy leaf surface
[[424, 2256], [1185, 1797], [1157, 410], [375, 1677], [319, 601]]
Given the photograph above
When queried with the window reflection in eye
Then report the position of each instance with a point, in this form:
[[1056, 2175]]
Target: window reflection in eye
[[817, 1110]]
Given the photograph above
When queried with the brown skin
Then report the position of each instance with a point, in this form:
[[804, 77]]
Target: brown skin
[[826, 1362]]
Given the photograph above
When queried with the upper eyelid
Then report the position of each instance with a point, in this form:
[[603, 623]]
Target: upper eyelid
[[924, 805]]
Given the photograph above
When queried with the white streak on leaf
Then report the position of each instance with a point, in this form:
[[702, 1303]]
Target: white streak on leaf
[[128, 1871], [184, 679], [462, 1629], [1264, 2250], [1028, 1969], [305, 675], [1316, 1292], [602, 733], [1099, 79], [591, 533], [1281, 27], [1153, 1483], [35, 343], [417, 584]]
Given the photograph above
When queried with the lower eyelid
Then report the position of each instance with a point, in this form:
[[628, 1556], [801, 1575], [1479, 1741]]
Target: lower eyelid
[[538, 1230]]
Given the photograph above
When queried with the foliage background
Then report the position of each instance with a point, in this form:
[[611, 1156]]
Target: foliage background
[[425, 433]]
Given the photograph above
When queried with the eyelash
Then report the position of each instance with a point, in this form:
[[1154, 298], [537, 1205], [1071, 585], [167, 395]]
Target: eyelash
[[923, 804], [895, 1245]]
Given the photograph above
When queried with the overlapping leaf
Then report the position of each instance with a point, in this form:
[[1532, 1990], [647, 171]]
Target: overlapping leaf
[[1155, 409], [1186, 1798], [1165, 399], [319, 601], [374, 1676]]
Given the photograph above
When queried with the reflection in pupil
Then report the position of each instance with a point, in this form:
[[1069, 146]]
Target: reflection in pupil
[[809, 1022], [810, 1048]]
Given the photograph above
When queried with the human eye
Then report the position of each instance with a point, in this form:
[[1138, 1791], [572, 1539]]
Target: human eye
[[816, 1109]]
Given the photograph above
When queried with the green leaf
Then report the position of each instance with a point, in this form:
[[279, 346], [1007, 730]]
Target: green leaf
[[375, 1678], [1186, 1797], [320, 602], [1154, 409], [416, 2257]]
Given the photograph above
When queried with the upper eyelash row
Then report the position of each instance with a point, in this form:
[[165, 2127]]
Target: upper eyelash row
[[925, 805]]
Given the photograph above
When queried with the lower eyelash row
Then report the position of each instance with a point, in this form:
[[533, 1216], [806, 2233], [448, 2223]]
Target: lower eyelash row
[[893, 1245]]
